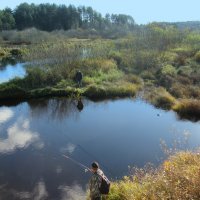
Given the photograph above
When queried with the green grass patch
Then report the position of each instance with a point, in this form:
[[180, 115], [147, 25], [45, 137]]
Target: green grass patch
[[121, 89]]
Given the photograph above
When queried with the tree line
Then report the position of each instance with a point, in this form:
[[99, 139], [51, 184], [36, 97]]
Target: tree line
[[49, 17]]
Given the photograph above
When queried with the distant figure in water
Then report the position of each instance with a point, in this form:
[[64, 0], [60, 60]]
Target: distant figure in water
[[95, 182], [79, 77], [80, 105]]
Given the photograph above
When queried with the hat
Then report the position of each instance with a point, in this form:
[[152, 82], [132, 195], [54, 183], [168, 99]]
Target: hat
[[95, 165]]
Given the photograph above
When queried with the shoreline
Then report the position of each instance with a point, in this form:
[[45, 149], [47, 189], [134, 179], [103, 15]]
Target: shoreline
[[178, 106]]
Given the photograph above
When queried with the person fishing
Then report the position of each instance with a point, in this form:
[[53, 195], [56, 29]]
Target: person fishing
[[95, 182], [79, 77], [99, 184]]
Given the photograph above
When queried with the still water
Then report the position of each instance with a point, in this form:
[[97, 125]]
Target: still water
[[120, 133], [11, 71]]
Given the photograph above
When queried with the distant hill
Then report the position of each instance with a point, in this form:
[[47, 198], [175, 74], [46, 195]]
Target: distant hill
[[191, 25]]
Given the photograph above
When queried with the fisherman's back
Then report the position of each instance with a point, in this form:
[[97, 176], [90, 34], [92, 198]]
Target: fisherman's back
[[94, 185]]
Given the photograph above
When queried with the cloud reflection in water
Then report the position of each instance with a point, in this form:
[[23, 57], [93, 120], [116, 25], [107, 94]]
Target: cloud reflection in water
[[19, 136], [5, 115], [75, 192], [39, 193]]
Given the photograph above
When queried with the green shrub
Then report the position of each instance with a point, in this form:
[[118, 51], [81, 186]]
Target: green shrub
[[147, 75], [10, 90], [115, 55], [168, 70], [88, 80], [132, 78], [16, 53], [184, 70], [168, 57], [2, 52]]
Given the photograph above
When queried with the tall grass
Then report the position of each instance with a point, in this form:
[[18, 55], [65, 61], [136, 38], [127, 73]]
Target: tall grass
[[188, 108], [160, 98], [177, 178]]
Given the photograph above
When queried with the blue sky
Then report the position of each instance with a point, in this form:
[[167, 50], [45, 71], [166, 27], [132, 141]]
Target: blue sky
[[143, 11]]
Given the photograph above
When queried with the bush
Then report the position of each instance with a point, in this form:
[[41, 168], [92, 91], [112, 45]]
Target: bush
[[115, 55], [184, 70], [16, 53], [188, 108], [2, 52], [185, 91], [161, 98], [168, 70], [88, 80], [168, 57], [147, 75], [177, 178], [11, 90], [133, 79]]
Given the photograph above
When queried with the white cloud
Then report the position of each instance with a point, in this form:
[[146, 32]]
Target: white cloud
[[19, 136], [75, 192], [70, 148], [38, 193], [59, 169], [5, 114]]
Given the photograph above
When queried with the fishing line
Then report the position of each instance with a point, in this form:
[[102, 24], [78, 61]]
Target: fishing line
[[88, 153]]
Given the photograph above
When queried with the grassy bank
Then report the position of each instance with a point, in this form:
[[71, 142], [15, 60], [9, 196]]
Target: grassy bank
[[177, 178]]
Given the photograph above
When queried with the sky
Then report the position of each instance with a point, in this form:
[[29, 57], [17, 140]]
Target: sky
[[143, 11]]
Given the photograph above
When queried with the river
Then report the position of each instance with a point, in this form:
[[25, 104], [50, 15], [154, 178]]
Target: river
[[119, 134]]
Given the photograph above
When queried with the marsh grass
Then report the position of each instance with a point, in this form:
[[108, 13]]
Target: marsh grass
[[160, 98], [120, 89], [188, 108], [177, 178]]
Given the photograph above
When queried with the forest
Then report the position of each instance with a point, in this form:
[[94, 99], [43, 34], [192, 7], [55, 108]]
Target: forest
[[49, 17]]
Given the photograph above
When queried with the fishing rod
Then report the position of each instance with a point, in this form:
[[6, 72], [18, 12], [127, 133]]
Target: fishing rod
[[87, 153], [78, 163]]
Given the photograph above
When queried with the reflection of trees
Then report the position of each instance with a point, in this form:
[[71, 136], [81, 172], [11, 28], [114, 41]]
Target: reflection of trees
[[2, 67], [38, 106], [61, 108], [57, 108]]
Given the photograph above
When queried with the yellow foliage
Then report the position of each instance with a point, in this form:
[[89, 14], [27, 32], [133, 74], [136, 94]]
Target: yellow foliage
[[177, 178]]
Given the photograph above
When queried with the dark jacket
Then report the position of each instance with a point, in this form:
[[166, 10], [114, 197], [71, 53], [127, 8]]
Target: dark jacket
[[95, 183]]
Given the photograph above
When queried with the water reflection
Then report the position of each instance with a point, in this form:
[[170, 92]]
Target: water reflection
[[74, 192], [80, 105], [69, 149], [36, 134], [5, 115], [57, 108], [19, 136], [12, 71], [39, 192]]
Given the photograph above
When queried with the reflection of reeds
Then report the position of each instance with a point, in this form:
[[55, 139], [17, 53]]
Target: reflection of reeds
[[56, 108]]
